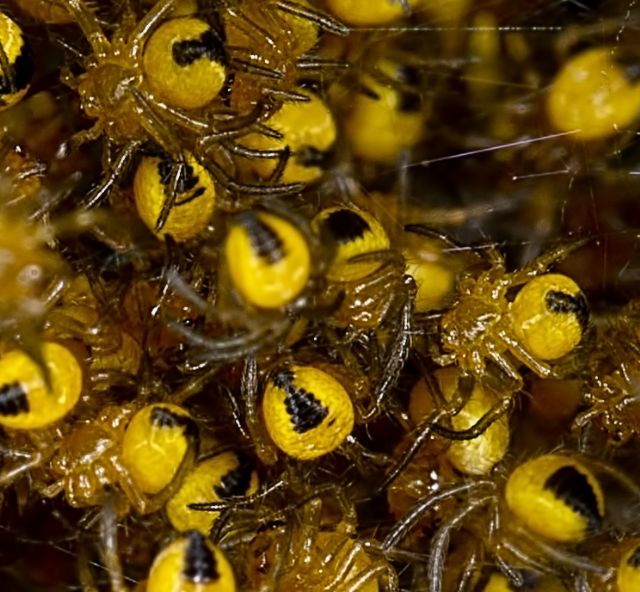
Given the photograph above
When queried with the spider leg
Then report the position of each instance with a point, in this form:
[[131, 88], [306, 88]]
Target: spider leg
[[154, 126], [425, 431], [339, 573], [98, 194], [440, 542], [561, 557], [287, 96], [481, 426], [411, 518], [398, 351], [546, 260], [144, 27], [178, 171], [9, 475], [86, 135], [231, 185], [249, 391], [321, 19], [513, 345], [237, 346], [90, 25], [311, 63], [109, 546]]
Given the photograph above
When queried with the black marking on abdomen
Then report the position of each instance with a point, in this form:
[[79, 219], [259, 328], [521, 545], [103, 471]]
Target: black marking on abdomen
[[165, 418], [573, 488], [561, 302], [345, 226], [304, 409], [208, 45], [21, 72], [263, 238], [13, 399], [236, 482], [200, 565]]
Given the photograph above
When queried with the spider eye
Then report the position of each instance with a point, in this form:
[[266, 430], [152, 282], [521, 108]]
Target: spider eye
[[194, 201], [14, 83], [25, 401], [628, 578], [592, 97], [308, 130], [352, 233], [156, 443], [307, 412], [221, 477], [184, 63], [268, 258], [557, 497], [191, 562], [550, 315]]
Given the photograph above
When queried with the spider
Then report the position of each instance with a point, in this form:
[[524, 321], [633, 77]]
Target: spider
[[545, 321], [304, 553], [147, 82], [144, 451], [366, 280], [546, 503], [611, 384]]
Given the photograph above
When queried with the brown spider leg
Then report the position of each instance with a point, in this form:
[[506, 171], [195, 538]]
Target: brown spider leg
[[398, 351], [251, 153], [109, 547], [515, 575], [232, 124], [251, 68], [216, 349], [471, 568], [546, 260], [318, 17], [178, 170], [345, 564], [312, 63], [413, 516], [176, 282], [361, 456], [98, 194], [522, 355], [440, 542], [8, 476], [239, 502], [309, 529], [561, 557], [146, 25], [286, 96], [248, 27], [580, 583], [154, 126], [425, 431], [249, 389], [267, 190], [91, 28], [370, 575], [278, 170], [478, 428]]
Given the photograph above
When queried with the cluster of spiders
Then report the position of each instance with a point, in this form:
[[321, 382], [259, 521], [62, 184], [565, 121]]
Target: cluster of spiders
[[296, 295]]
